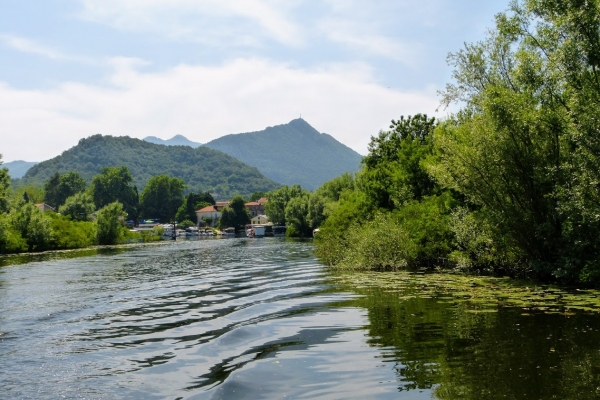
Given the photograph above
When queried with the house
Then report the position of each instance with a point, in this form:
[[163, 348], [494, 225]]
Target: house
[[220, 205], [260, 219], [208, 212], [257, 207], [45, 207]]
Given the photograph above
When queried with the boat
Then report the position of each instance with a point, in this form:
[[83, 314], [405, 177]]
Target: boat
[[167, 232], [192, 231], [229, 232], [255, 230], [279, 230]]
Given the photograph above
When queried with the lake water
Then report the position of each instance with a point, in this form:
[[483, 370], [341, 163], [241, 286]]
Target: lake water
[[261, 318]]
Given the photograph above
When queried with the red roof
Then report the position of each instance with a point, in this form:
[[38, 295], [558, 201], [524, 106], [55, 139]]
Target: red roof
[[208, 209], [262, 200]]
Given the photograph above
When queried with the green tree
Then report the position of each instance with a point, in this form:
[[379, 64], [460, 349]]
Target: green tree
[[333, 189], [72, 234], [296, 213], [10, 239], [115, 184], [78, 207], [316, 210], [235, 214], [192, 203], [59, 187], [394, 172], [525, 148], [161, 198], [4, 187], [33, 226], [109, 227], [34, 194], [278, 199]]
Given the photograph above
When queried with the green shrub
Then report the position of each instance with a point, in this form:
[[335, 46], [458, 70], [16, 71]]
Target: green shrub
[[69, 234]]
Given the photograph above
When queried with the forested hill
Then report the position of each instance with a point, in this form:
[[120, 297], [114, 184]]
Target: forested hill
[[291, 153], [202, 169]]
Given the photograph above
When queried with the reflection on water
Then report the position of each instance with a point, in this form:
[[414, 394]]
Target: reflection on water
[[245, 318]]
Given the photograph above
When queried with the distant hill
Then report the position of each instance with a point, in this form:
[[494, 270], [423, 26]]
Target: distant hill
[[291, 153], [16, 169], [202, 169], [177, 140]]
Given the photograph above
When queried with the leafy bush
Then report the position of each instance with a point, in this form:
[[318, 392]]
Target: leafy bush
[[379, 244], [109, 229], [69, 234]]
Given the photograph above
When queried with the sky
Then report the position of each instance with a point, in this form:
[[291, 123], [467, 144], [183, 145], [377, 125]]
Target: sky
[[206, 68]]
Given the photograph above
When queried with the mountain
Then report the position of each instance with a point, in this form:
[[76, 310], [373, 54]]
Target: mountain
[[16, 169], [202, 169], [177, 140], [291, 153]]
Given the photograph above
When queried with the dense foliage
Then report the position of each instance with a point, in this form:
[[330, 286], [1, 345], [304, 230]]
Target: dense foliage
[[115, 184], [59, 187], [192, 203], [202, 169], [392, 215], [235, 215], [293, 153], [109, 229], [161, 198], [510, 183]]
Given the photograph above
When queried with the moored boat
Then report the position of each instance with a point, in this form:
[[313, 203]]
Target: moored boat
[[255, 230], [229, 232]]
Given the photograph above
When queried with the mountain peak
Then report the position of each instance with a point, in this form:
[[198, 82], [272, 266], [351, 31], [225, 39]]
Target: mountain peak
[[177, 140], [291, 153]]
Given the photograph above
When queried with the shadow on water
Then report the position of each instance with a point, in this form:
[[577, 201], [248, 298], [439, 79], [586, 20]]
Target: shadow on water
[[458, 350], [27, 258]]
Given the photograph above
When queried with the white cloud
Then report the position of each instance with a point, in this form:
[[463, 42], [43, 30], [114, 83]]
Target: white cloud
[[361, 39], [202, 103], [215, 22], [26, 45]]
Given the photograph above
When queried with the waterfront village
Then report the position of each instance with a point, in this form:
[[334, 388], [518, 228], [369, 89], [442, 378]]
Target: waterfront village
[[208, 218]]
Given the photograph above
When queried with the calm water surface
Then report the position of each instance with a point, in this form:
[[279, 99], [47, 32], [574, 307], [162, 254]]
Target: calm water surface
[[242, 318]]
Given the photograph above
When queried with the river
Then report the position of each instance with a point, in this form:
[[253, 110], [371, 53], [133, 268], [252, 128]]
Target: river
[[261, 318]]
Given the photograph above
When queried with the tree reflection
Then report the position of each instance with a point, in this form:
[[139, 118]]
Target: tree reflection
[[505, 352]]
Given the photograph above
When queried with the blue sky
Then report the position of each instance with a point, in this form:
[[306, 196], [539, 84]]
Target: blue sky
[[206, 68]]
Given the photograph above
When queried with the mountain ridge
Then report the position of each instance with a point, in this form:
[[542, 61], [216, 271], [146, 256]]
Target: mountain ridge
[[291, 153], [18, 168], [202, 169], [177, 140]]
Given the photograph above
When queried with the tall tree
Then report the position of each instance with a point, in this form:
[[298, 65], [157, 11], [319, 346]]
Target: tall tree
[[33, 226], [235, 214], [115, 184], [79, 207], [192, 203], [278, 200], [4, 187], [393, 172], [59, 187], [526, 146], [161, 198], [109, 228]]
